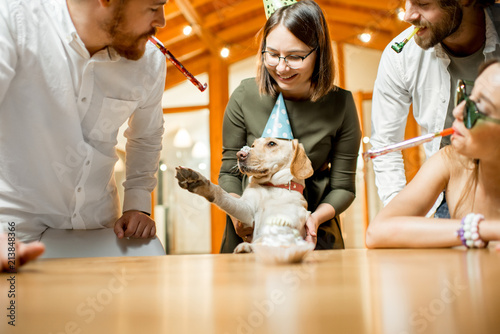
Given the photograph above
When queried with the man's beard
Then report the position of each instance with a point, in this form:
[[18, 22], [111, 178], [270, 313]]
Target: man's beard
[[125, 44], [439, 31]]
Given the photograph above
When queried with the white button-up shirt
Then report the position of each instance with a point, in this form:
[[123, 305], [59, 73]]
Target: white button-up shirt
[[60, 111], [420, 77]]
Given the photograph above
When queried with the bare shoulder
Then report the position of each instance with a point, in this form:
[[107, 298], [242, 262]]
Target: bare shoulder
[[438, 167], [418, 197]]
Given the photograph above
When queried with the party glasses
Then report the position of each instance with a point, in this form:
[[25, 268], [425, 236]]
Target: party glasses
[[292, 61], [471, 112]]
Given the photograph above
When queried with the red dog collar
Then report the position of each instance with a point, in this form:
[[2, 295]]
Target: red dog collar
[[292, 185]]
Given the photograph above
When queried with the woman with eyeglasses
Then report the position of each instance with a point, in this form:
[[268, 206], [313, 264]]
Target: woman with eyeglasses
[[296, 59], [468, 171]]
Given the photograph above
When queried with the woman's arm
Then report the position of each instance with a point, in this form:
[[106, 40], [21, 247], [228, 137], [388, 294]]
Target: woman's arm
[[343, 159], [342, 186], [323, 213], [234, 137], [402, 222]]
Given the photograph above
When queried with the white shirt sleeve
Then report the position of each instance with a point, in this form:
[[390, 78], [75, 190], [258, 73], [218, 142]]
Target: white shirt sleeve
[[8, 56], [391, 102], [143, 148]]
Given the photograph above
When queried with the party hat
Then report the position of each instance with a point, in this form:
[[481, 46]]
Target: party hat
[[278, 125], [270, 6]]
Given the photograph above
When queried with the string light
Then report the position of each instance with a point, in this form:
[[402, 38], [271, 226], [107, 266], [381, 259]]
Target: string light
[[182, 139], [187, 30], [365, 37], [401, 14], [224, 52]]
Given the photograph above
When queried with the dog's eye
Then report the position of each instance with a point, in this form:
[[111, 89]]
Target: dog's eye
[[271, 144]]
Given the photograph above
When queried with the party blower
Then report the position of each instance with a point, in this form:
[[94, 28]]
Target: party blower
[[406, 144], [398, 47], [177, 63]]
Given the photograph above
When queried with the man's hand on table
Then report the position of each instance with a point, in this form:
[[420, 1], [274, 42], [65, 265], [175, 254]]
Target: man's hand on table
[[23, 253], [135, 224]]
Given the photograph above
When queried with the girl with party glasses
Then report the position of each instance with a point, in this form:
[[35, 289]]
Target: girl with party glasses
[[467, 170]]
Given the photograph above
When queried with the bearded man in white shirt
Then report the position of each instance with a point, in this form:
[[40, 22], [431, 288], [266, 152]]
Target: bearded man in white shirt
[[455, 37], [71, 73]]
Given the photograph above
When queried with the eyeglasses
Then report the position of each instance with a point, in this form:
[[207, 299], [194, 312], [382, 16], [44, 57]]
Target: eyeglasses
[[471, 112], [292, 61]]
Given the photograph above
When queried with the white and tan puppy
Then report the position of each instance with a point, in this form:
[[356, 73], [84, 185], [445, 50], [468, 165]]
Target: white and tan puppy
[[273, 202]]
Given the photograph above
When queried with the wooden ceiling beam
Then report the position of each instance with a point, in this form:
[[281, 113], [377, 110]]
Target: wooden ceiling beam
[[237, 22], [192, 17], [186, 46], [345, 33], [383, 5], [250, 27], [233, 12], [355, 17], [171, 10]]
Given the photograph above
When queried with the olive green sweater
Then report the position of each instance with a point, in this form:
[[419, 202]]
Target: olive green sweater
[[328, 128]]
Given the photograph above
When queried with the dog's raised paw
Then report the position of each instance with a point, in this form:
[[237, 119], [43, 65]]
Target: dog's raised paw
[[190, 179]]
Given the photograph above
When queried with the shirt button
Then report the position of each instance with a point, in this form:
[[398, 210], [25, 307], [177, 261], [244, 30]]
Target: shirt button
[[74, 215], [79, 189], [87, 163], [84, 99]]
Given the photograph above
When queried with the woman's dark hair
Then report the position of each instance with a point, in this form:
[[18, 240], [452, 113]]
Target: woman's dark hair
[[305, 20]]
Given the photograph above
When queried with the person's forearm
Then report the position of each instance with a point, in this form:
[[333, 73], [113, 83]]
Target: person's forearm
[[489, 230], [412, 232], [323, 213]]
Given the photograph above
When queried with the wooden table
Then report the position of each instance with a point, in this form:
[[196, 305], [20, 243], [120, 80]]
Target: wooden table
[[350, 291]]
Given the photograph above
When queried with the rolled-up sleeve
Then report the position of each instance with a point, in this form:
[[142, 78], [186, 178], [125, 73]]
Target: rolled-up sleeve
[[391, 103], [143, 148], [8, 56]]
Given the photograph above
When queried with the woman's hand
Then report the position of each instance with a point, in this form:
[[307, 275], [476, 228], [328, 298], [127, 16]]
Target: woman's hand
[[312, 225], [323, 213], [246, 233]]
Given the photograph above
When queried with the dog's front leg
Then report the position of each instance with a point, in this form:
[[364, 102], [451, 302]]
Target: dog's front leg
[[198, 184]]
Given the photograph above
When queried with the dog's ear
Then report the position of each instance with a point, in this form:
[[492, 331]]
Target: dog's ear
[[300, 167]]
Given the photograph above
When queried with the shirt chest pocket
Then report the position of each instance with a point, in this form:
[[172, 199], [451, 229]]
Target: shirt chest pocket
[[112, 115]]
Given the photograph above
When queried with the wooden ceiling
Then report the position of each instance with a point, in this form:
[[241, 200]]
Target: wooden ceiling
[[236, 23]]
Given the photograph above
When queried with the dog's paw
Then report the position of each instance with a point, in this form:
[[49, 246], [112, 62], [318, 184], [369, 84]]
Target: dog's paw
[[192, 181], [244, 247]]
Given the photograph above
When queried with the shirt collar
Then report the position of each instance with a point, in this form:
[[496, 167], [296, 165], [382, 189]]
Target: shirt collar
[[58, 10], [492, 39]]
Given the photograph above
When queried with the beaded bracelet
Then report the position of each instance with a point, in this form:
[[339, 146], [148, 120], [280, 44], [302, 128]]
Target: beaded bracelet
[[469, 231]]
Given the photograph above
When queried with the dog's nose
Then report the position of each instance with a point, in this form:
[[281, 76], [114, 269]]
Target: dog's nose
[[241, 155]]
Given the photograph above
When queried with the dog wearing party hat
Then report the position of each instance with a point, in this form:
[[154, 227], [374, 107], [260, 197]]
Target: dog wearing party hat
[[273, 203]]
